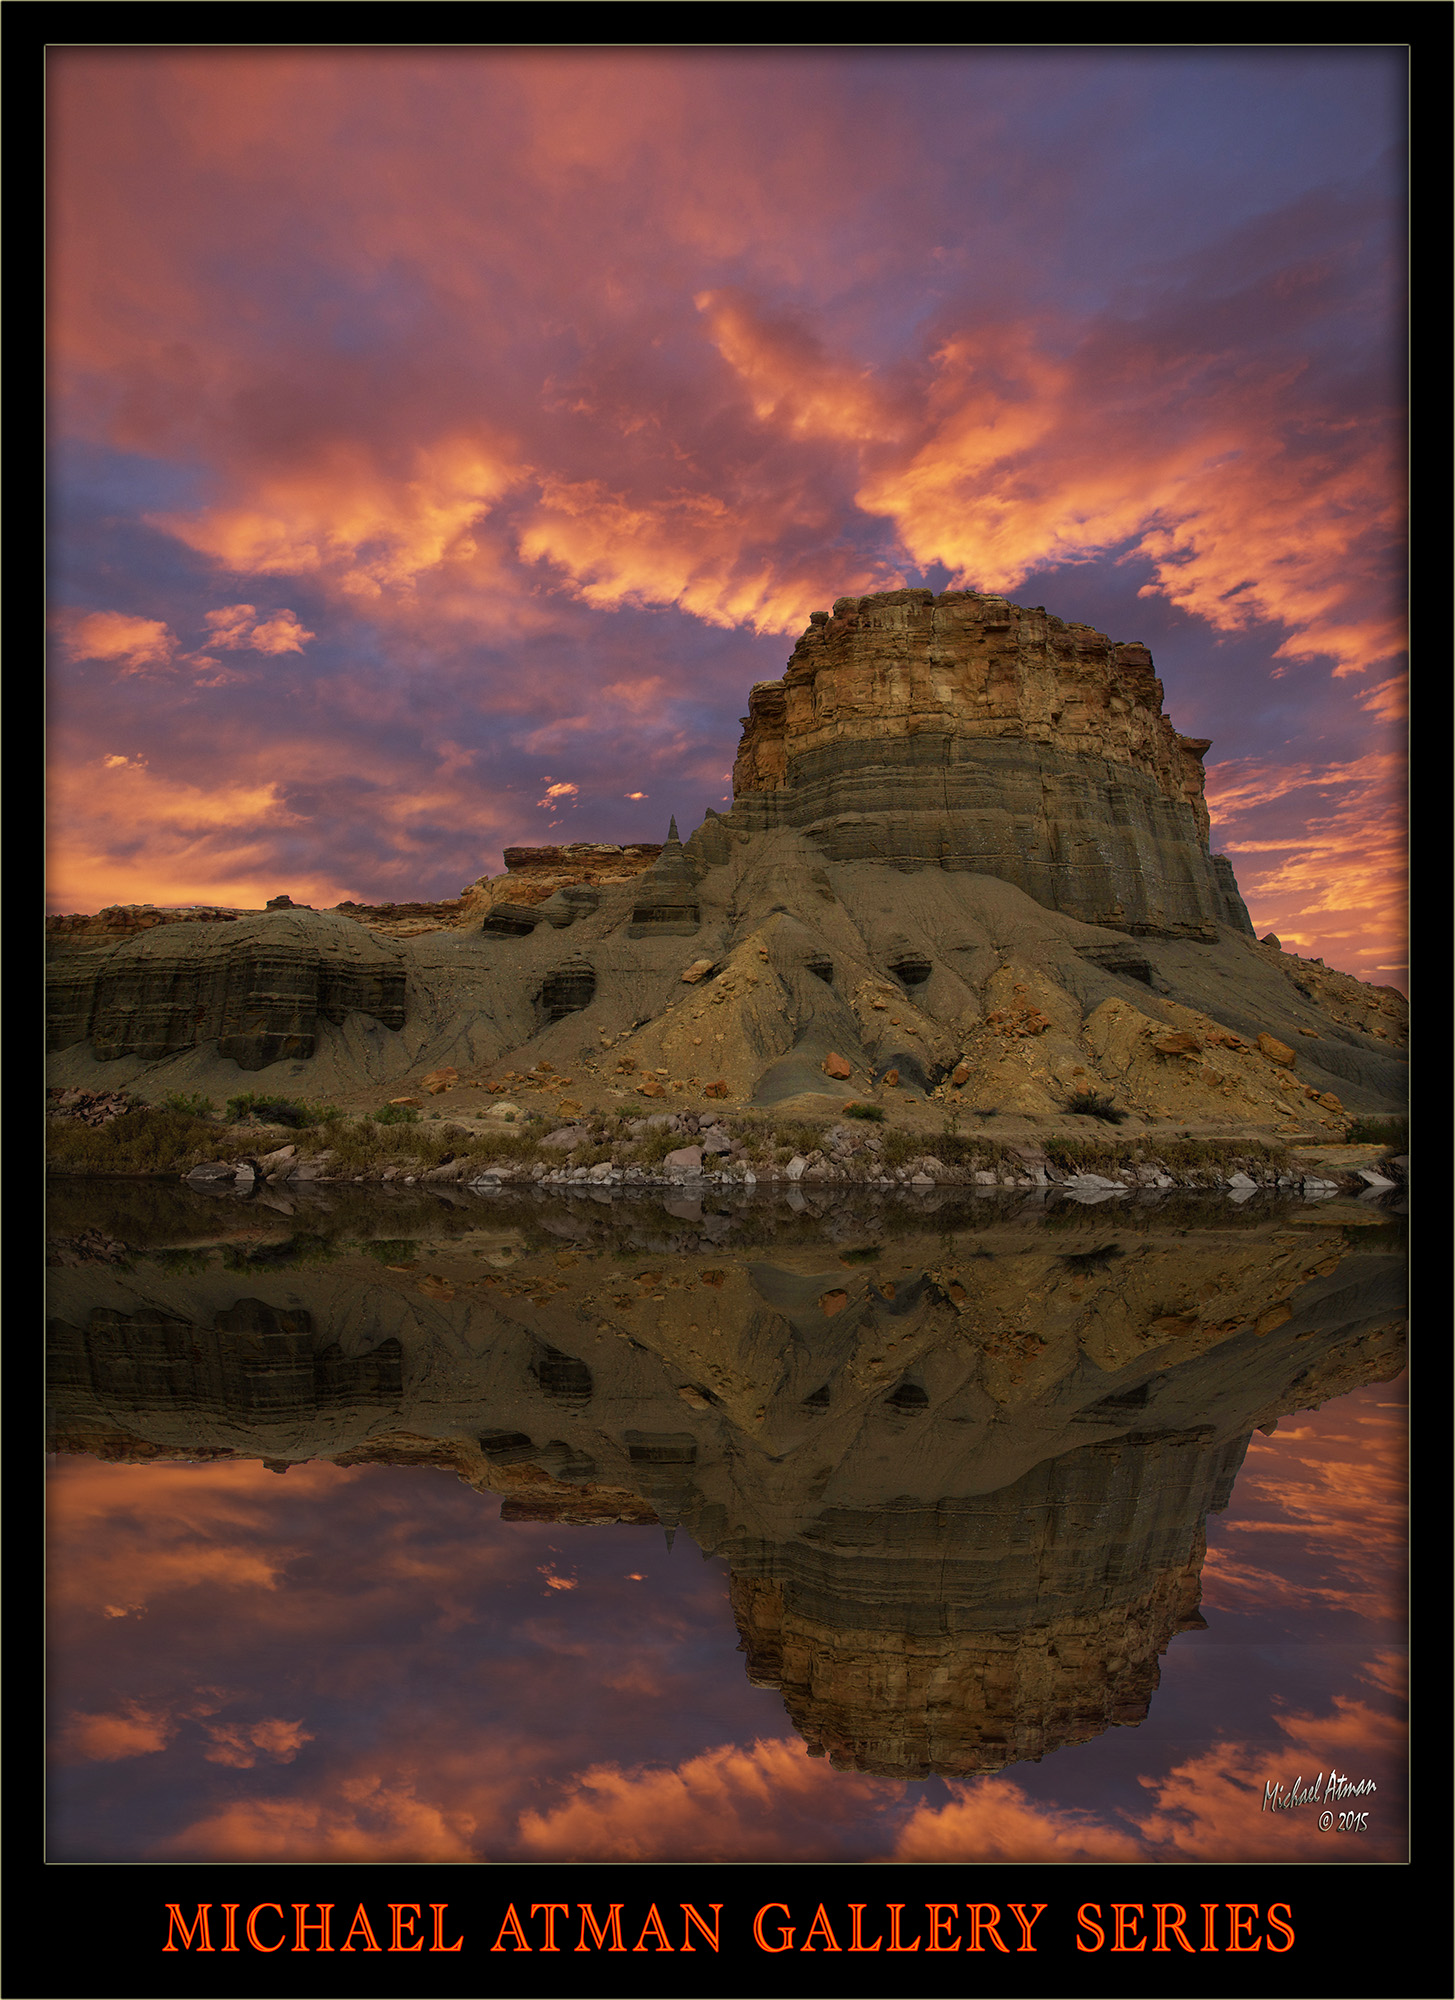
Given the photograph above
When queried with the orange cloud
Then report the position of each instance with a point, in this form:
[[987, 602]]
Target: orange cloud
[[239, 625], [789, 376], [348, 520], [132, 644], [1328, 876], [106, 1739], [241, 1744]]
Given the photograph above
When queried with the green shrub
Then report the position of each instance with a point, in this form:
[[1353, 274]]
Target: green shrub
[[396, 1114], [874, 1111], [292, 1111], [148, 1140], [1393, 1132], [193, 1104], [1094, 1104]]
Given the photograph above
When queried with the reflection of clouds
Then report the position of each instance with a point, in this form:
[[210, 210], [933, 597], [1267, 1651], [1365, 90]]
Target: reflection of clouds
[[355, 1725], [735, 1803], [994, 1820], [369, 1819], [1318, 1519]]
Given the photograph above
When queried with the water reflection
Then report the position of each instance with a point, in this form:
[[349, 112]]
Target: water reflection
[[958, 1457]]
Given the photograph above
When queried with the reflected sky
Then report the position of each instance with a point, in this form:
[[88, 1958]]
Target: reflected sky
[[365, 1663]]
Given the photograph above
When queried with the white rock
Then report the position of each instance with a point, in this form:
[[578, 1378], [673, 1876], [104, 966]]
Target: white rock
[[797, 1166]]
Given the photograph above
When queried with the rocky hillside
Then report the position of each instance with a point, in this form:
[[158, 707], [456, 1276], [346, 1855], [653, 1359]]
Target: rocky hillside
[[967, 865]]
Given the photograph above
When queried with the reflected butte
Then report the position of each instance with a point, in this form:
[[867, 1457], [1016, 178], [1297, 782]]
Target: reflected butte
[[959, 1461]]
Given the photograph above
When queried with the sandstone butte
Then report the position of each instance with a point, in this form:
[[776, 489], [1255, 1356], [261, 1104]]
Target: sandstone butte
[[967, 859]]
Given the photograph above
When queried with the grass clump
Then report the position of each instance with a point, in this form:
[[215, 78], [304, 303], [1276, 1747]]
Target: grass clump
[[1094, 1104], [874, 1111], [1393, 1132], [192, 1103], [151, 1139], [291, 1111], [395, 1114]]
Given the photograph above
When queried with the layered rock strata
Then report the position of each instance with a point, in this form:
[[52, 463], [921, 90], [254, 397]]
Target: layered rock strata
[[966, 732], [257, 987]]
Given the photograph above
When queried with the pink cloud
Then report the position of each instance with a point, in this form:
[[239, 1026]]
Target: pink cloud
[[133, 1732], [131, 644], [241, 1744]]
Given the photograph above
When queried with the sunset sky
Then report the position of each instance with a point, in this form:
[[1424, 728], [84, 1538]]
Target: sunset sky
[[446, 439]]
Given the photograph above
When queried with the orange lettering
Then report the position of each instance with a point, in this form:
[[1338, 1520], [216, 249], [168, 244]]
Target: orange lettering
[[1126, 1922], [821, 1927], [1084, 1922], [611, 1928], [511, 1924], [1279, 1925], [942, 1915], [785, 1931], [653, 1928], [439, 1930], [300, 1925], [691, 1917], [1018, 1911], [551, 1910], [856, 1940], [361, 1923], [253, 1939], [1243, 1915], [199, 1926], [230, 1910], [1166, 1923], [894, 1944], [987, 1924], [1209, 1911], [398, 1943]]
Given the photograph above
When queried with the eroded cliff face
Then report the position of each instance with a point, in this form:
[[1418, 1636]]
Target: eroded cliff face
[[258, 986], [966, 732], [950, 814], [959, 1475]]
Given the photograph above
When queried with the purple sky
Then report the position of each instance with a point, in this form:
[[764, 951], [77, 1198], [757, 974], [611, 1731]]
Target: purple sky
[[446, 439]]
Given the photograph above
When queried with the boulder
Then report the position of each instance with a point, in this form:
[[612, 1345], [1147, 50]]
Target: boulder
[[1276, 1051]]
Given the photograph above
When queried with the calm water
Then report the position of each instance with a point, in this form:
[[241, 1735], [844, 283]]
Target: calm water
[[438, 1528]]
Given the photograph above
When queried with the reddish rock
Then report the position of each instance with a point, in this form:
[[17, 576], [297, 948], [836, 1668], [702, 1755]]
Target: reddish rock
[[835, 1065], [1276, 1051]]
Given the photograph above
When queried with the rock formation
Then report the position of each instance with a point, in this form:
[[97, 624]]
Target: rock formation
[[959, 1477], [965, 732], [256, 987], [967, 856]]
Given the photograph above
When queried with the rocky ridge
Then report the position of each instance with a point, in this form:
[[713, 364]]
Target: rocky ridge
[[966, 866]]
